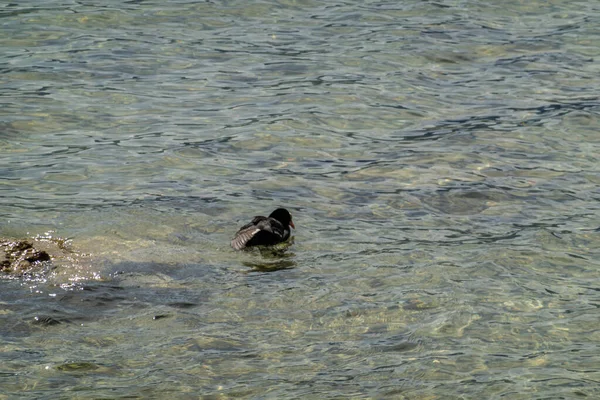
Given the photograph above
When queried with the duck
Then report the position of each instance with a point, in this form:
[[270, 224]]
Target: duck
[[264, 231]]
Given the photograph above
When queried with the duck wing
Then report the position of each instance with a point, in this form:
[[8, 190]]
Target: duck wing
[[261, 231]]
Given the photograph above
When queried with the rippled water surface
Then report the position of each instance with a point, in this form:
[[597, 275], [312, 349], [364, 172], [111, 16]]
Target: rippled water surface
[[440, 159]]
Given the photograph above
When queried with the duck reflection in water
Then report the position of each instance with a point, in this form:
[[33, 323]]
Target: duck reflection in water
[[272, 258]]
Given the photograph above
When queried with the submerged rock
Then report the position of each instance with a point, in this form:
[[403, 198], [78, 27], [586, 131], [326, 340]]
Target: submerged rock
[[18, 257], [45, 257]]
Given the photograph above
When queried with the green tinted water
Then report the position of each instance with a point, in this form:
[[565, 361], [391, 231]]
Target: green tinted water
[[440, 161]]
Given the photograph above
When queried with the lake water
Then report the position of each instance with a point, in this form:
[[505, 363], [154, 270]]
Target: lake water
[[441, 161]]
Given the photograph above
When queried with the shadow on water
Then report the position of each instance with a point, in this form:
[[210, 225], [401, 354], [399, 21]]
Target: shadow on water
[[53, 307], [132, 285]]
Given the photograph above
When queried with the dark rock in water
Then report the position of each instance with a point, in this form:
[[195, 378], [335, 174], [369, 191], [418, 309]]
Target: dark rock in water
[[46, 258], [19, 256]]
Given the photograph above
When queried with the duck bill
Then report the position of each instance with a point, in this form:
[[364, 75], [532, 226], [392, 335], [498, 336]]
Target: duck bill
[[292, 225]]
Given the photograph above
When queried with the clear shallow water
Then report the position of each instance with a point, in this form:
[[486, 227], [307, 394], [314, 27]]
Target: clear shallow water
[[440, 160]]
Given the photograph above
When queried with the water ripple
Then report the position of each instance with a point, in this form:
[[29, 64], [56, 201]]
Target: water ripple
[[440, 160]]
